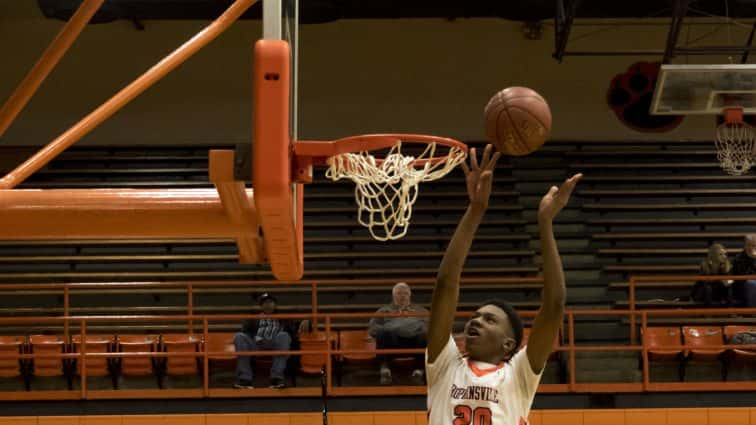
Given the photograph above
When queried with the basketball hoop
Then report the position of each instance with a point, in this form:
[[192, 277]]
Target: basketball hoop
[[387, 188], [735, 142]]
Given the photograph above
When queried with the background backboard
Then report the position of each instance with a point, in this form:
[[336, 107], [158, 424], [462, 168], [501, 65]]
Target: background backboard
[[704, 89]]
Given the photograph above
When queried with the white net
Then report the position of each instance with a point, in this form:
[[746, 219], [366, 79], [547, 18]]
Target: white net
[[736, 144], [386, 190]]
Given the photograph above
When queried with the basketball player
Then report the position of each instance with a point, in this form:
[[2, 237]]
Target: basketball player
[[495, 384]]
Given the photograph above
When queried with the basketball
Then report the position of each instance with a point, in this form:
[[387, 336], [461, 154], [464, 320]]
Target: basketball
[[518, 121]]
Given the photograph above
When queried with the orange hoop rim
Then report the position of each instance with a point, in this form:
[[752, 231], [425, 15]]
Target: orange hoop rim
[[371, 142]]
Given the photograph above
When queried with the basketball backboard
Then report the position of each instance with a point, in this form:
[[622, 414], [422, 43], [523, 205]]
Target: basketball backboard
[[704, 89], [723, 90]]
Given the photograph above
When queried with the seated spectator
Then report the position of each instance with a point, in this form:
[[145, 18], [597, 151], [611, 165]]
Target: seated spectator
[[714, 292], [265, 334], [744, 292], [400, 332]]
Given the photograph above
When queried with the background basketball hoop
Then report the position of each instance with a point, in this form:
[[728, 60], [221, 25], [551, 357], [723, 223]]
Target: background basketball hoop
[[735, 142]]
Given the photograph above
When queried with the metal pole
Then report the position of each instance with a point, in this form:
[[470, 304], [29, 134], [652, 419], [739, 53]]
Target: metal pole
[[126, 95], [49, 59]]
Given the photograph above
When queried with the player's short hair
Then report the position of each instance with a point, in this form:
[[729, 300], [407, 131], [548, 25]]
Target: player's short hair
[[514, 319]]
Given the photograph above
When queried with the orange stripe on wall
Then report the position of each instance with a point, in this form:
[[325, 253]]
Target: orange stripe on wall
[[704, 416]]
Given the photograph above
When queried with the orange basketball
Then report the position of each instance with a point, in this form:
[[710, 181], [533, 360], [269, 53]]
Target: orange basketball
[[518, 120]]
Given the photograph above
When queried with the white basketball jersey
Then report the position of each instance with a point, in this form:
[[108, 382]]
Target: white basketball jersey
[[459, 393]]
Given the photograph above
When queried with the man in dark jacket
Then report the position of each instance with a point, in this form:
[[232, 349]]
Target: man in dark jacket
[[265, 334], [744, 292]]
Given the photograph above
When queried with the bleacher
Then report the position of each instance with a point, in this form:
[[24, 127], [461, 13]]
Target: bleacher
[[618, 225]]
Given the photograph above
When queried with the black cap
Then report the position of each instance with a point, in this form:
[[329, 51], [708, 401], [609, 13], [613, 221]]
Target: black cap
[[265, 297]]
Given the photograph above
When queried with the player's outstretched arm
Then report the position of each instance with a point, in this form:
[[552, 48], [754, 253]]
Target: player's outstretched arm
[[479, 180], [550, 317]]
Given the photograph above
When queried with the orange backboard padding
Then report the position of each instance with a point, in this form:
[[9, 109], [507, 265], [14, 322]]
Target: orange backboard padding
[[279, 209]]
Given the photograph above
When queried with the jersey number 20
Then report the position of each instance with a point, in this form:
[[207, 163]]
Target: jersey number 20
[[465, 415]]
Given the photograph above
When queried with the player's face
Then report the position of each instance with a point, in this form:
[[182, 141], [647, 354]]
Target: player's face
[[489, 335]]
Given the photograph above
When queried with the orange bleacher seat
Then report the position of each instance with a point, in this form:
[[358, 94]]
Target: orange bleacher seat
[[356, 340], [221, 342], [96, 366], [10, 367], [701, 336], [136, 366], [44, 345], [180, 343], [312, 363], [657, 339], [739, 354]]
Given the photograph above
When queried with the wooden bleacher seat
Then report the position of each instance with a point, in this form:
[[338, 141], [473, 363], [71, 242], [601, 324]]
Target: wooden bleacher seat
[[698, 320], [10, 367], [659, 303], [668, 206], [658, 339], [653, 269], [666, 235], [221, 342], [180, 343], [622, 154], [684, 178], [628, 193], [356, 340], [42, 366], [666, 252], [311, 364], [136, 366], [671, 221], [646, 285], [96, 366], [701, 336], [738, 354], [643, 165]]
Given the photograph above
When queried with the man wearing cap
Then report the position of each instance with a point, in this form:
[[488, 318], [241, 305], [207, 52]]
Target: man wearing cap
[[265, 334]]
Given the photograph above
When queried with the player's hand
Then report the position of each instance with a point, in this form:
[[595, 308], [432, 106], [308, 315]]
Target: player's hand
[[479, 176], [557, 198]]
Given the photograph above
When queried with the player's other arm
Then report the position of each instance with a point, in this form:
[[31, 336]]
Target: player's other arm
[[550, 317], [446, 292]]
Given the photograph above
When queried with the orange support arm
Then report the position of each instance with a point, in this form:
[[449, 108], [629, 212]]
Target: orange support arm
[[115, 103], [237, 203], [47, 62], [75, 214]]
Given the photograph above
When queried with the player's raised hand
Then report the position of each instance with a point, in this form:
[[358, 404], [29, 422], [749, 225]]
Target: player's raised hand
[[556, 198], [479, 176]]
